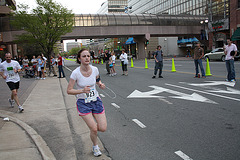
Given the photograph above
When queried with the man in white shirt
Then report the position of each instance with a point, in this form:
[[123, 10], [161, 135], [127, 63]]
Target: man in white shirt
[[229, 59], [9, 71]]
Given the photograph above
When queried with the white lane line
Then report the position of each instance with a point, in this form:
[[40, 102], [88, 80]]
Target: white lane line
[[183, 155], [139, 123], [115, 105], [235, 99], [102, 95], [68, 68], [164, 100]]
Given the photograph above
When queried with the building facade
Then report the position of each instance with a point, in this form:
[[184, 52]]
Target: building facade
[[113, 6], [71, 45], [6, 39], [172, 7]]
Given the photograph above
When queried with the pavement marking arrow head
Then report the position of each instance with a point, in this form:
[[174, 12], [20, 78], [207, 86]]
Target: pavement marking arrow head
[[138, 94], [194, 97]]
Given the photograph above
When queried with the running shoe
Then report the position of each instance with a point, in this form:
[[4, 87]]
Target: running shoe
[[233, 80], [20, 109], [96, 151], [11, 102]]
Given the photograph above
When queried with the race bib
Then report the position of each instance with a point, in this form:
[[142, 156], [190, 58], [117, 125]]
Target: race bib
[[11, 74], [91, 96]]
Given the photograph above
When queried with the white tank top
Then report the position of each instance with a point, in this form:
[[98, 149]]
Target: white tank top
[[82, 82]]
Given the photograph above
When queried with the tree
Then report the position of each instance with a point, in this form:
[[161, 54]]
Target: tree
[[43, 25], [74, 51]]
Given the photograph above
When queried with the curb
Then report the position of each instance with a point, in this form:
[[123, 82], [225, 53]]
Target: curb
[[44, 150]]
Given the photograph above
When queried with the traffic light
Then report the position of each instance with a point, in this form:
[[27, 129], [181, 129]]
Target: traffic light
[[146, 42], [91, 40]]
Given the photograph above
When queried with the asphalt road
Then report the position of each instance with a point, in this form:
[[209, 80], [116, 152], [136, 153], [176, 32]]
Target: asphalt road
[[174, 118]]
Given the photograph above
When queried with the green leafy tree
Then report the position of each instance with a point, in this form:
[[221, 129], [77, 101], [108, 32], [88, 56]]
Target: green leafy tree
[[74, 51], [43, 25]]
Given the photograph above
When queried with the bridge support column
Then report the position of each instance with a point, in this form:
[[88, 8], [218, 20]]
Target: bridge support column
[[141, 52]]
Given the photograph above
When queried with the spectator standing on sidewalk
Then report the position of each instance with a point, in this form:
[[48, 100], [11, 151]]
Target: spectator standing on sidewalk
[[34, 63], [9, 71], [89, 105], [124, 62], [158, 56], [198, 54], [53, 64], [41, 67], [19, 59], [114, 62], [25, 62], [106, 57], [60, 68], [229, 59]]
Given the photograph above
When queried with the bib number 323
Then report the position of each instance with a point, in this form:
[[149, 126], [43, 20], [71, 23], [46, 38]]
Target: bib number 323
[[91, 96]]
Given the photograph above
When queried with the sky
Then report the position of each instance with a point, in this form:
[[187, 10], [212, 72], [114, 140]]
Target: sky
[[77, 6]]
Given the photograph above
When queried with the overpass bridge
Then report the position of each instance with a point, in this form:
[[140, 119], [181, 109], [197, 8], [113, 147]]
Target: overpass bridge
[[139, 26]]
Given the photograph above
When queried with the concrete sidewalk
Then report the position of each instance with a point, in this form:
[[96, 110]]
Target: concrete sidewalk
[[49, 128]]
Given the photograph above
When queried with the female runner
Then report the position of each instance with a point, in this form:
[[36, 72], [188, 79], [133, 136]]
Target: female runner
[[89, 104]]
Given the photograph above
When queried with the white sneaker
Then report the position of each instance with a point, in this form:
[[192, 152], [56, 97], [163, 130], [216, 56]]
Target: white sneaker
[[96, 151], [11, 102], [20, 109], [41, 78], [44, 78]]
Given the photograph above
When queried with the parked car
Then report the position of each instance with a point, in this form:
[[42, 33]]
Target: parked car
[[218, 54]]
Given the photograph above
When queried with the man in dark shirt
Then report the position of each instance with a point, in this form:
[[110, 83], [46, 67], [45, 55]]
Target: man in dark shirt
[[198, 54], [158, 56]]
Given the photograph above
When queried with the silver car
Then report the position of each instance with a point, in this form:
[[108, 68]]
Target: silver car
[[216, 54]]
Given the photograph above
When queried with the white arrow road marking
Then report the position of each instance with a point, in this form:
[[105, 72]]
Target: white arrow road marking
[[102, 95], [211, 83], [140, 124], [235, 99], [115, 105], [183, 155], [138, 94], [180, 95], [228, 91]]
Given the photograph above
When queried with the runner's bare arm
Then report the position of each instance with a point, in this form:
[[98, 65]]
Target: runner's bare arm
[[72, 91], [100, 84], [2, 74]]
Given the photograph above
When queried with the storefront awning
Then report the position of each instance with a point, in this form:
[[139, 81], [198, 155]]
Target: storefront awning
[[236, 35], [130, 41], [189, 40]]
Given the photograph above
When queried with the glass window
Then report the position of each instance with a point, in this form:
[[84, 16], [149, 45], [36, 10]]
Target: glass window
[[103, 20]]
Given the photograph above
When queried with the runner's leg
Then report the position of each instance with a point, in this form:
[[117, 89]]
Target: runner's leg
[[89, 120], [15, 96], [101, 122]]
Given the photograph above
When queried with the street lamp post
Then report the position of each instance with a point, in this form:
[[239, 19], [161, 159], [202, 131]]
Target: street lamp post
[[204, 35]]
